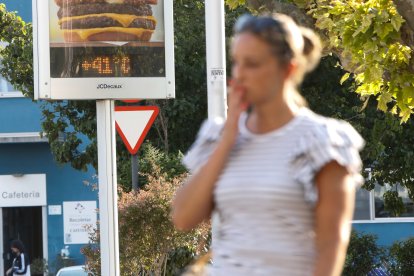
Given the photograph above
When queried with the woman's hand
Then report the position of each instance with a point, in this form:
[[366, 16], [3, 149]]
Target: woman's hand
[[194, 202], [236, 105]]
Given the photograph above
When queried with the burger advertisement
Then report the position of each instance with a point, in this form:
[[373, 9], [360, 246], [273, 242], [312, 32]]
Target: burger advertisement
[[106, 20], [105, 44]]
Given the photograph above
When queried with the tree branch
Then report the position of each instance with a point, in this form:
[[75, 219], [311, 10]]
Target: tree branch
[[298, 14], [406, 9]]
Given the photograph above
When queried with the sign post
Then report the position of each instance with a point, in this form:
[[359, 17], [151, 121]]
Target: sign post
[[78, 56], [216, 59], [108, 201], [216, 69]]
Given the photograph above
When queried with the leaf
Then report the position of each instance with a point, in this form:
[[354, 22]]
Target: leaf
[[364, 106], [396, 22], [373, 73], [324, 23], [344, 78], [383, 29], [408, 93], [383, 100], [405, 113], [233, 4], [365, 24]]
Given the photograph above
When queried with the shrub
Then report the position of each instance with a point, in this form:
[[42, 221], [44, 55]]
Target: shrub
[[39, 267], [363, 254], [148, 241], [402, 257]]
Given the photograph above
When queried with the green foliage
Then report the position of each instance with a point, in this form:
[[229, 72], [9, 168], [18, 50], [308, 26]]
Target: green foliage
[[39, 267], [393, 203], [149, 243], [388, 151], [152, 159], [367, 37], [233, 4], [178, 259], [402, 257], [64, 123], [71, 125], [17, 55], [92, 251], [363, 254], [367, 34]]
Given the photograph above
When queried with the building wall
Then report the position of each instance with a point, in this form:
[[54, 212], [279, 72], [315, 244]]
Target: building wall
[[23, 8], [21, 115], [63, 184], [387, 232]]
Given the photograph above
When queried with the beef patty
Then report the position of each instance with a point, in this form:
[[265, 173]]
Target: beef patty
[[84, 9], [61, 3], [104, 21]]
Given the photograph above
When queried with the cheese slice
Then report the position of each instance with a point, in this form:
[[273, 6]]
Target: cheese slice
[[85, 33], [124, 19], [115, 1]]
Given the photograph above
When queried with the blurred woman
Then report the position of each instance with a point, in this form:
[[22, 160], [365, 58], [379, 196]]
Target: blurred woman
[[280, 177], [21, 264]]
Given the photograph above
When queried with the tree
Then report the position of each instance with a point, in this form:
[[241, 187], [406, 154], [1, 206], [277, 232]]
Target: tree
[[373, 39], [363, 254], [402, 256], [16, 57], [68, 124], [149, 244], [388, 150]]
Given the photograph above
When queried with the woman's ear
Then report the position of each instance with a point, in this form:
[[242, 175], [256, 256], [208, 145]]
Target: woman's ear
[[291, 68]]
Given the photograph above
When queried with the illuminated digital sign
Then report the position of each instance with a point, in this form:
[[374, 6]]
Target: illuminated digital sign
[[107, 65], [128, 43]]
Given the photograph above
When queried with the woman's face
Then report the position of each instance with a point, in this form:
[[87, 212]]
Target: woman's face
[[255, 69], [15, 250]]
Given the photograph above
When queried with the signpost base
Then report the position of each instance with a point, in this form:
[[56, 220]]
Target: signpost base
[[108, 203]]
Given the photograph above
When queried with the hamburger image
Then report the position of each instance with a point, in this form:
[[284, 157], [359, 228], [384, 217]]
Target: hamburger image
[[106, 20]]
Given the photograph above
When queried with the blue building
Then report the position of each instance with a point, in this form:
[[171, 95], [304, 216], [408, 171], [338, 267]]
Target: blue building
[[370, 216], [42, 203]]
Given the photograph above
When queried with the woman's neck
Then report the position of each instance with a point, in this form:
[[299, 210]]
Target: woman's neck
[[272, 115]]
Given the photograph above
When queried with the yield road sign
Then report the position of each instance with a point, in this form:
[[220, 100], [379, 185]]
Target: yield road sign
[[133, 123]]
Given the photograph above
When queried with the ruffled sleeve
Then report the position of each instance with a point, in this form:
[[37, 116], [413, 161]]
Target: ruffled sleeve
[[329, 140], [204, 145]]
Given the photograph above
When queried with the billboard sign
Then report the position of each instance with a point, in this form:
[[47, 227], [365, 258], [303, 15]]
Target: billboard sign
[[103, 49], [79, 218]]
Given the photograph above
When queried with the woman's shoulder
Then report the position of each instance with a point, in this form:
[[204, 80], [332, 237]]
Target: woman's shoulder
[[319, 129], [324, 140]]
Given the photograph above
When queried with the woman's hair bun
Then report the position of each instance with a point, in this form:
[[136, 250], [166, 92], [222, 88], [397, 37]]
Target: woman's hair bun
[[311, 49]]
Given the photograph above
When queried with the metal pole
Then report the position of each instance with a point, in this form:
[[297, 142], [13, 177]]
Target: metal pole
[[108, 202], [216, 59], [134, 171], [216, 72]]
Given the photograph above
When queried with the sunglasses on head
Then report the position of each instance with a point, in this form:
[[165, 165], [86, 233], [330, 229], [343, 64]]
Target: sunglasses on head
[[255, 24]]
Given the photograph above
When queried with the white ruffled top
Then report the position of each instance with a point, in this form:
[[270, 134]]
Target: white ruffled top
[[266, 193]]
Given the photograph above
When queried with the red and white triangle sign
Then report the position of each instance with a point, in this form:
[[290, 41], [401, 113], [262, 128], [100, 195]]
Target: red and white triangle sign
[[133, 124]]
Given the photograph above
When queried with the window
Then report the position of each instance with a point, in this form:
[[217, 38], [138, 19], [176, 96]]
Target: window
[[6, 89], [369, 205], [380, 211], [362, 205], [5, 86]]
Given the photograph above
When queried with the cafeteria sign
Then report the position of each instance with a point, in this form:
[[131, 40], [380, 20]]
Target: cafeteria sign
[[103, 49], [78, 218]]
